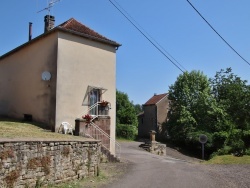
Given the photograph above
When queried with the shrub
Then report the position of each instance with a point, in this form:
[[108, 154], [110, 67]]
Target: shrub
[[223, 151], [192, 140], [126, 131], [219, 139], [247, 152], [235, 141], [246, 138], [193, 145], [238, 146]]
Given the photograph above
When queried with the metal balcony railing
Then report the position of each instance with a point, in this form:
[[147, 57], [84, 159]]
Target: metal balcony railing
[[95, 132]]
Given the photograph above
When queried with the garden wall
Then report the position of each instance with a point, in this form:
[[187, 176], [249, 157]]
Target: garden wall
[[27, 163]]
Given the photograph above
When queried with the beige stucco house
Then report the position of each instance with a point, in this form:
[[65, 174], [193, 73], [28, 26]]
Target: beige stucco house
[[153, 117], [52, 77]]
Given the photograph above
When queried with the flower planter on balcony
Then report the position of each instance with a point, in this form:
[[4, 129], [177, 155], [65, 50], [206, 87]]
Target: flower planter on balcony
[[87, 118], [103, 108], [104, 103]]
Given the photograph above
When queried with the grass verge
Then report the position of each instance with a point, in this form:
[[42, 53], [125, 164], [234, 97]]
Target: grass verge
[[109, 172], [120, 139], [13, 129], [229, 159]]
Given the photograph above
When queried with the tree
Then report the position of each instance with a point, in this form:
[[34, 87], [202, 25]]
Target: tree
[[233, 93], [126, 119], [138, 108], [193, 110], [218, 107], [125, 111]]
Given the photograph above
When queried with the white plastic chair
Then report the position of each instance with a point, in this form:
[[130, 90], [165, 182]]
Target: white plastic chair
[[67, 128]]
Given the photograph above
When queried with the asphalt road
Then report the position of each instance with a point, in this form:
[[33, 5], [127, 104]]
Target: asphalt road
[[152, 171]]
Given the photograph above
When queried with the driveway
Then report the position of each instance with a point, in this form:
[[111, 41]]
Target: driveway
[[152, 171]]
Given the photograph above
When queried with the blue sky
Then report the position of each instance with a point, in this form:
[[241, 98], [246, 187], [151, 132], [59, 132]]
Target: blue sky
[[141, 69]]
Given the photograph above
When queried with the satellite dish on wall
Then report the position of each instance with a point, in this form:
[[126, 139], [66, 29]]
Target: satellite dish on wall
[[46, 76]]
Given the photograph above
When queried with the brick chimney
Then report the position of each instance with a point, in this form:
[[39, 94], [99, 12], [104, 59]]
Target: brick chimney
[[49, 22], [30, 31]]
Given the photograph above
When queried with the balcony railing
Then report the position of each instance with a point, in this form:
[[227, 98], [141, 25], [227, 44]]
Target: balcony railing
[[101, 109], [97, 133]]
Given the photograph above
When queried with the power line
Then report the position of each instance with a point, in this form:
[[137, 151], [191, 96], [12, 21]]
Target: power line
[[160, 50], [150, 36], [217, 32]]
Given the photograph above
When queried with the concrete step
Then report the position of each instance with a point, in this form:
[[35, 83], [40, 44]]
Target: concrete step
[[110, 157]]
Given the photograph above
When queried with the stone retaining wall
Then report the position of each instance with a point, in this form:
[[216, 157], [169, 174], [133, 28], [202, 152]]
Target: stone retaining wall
[[27, 163], [154, 147]]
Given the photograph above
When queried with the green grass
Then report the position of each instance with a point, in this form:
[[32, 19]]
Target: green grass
[[86, 182], [13, 129], [120, 139], [229, 159]]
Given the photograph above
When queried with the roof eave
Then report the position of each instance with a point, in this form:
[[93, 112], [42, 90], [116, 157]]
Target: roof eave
[[148, 104], [27, 43], [60, 29]]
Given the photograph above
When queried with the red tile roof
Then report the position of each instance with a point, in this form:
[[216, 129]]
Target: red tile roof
[[155, 99], [77, 27], [71, 26]]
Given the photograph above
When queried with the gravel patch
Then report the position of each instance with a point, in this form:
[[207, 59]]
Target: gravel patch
[[234, 174]]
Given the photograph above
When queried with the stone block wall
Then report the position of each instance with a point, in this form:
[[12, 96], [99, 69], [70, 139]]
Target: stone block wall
[[157, 148], [154, 147], [26, 163]]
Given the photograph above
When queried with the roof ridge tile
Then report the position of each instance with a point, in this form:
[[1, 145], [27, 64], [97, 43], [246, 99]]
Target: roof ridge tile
[[76, 26], [68, 21], [155, 99]]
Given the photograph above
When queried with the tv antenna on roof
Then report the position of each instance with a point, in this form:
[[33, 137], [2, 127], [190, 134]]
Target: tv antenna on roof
[[50, 5]]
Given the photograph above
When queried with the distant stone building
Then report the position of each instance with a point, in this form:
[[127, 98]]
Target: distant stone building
[[154, 114]]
